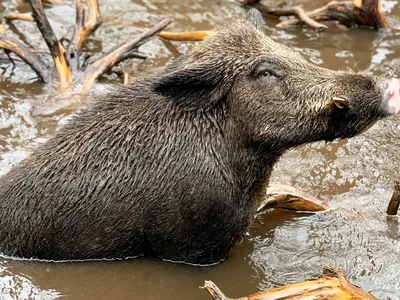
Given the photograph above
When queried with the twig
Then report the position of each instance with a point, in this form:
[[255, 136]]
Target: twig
[[109, 59], [84, 30], [126, 77], [94, 20], [133, 54], [185, 36], [311, 14], [27, 55], [12, 17], [394, 203], [56, 49], [214, 291], [73, 48]]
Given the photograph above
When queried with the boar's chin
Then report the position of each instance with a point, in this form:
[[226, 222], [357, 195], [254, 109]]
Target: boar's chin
[[345, 133]]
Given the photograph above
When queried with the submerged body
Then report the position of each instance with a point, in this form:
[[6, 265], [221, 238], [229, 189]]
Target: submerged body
[[174, 165]]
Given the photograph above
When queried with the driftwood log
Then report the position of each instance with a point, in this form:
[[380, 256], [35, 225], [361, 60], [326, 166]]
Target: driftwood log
[[70, 69], [331, 285], [366, 13]]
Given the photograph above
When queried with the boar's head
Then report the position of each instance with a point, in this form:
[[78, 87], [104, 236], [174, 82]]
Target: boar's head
[[271, 93]]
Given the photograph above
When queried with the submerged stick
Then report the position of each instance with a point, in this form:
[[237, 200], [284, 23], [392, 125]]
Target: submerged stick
[[331, 285], [394, 203], [290, 198]]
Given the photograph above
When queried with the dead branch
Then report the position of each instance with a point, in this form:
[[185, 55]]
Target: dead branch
[[394, 203], [109, 59], [350, 13], [83, 30], [27, 55], [56, 49], [332, 284], [74, 45], [289, 11], [302, 15], [67, 63], [312, 14], [287, 197]]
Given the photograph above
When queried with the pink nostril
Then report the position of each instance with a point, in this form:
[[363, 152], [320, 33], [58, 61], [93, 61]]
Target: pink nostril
[[394, 95]]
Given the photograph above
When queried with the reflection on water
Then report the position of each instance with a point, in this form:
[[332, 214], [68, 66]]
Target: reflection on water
[[355, 176], [18, 286]]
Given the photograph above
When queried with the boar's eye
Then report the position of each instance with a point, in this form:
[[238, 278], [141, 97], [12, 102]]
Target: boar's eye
[[265, 73]]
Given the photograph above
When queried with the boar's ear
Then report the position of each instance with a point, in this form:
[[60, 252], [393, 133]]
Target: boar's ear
[[196, 88], [255, 18]]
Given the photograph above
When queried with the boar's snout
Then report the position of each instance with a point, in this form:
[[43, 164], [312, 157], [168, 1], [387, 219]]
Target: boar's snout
[[390, 89]]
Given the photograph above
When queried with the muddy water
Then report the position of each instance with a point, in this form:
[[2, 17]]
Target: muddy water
[[356, 176]]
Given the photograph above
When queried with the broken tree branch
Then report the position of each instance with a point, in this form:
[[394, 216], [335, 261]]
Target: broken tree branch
[[83, 30], [289, 11], [394, 203], [67, 63], [311, 14], [109, 59], [56, 49], [27, 55], [302, 15], [74, 45], [331, 285]]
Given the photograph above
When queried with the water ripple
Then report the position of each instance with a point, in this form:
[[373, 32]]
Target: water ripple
[[300, 249]]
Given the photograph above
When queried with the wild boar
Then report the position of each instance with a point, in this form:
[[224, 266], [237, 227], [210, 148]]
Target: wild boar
[[174, 165]]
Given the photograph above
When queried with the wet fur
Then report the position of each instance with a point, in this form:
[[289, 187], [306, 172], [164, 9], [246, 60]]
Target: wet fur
[[174, 165]]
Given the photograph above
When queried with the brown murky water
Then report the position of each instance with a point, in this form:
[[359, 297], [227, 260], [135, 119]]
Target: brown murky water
[[355, 176]]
